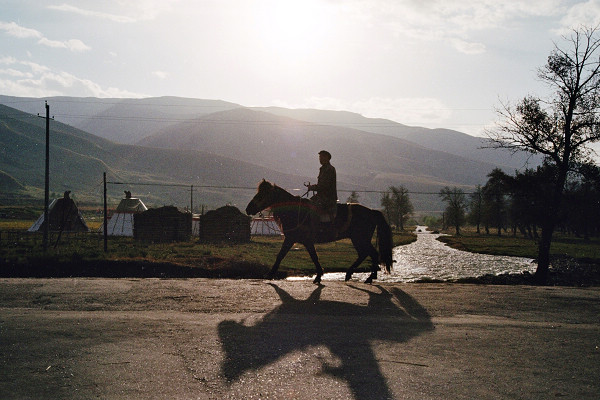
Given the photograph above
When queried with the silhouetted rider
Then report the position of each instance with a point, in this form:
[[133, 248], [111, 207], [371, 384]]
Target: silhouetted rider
[[326, 187]]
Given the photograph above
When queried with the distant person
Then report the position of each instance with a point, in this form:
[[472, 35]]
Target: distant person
[[326, 188]]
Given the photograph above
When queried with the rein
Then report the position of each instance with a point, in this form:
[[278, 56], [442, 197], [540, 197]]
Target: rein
[[300, 221]]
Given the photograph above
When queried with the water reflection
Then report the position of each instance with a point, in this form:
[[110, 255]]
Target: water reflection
[[430, 258]]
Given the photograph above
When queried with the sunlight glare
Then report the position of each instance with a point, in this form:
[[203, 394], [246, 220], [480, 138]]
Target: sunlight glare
[[293, 29]]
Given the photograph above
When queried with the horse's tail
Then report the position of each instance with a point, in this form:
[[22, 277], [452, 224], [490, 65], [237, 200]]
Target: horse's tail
[[384, 237]]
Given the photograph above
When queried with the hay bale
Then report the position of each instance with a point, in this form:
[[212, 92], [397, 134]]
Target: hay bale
[[225, 224], [164, 224]]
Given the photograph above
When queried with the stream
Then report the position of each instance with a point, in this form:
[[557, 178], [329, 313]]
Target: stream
[[428, 258]]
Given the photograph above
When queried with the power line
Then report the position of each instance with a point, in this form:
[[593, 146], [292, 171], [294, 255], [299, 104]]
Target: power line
[[196, 186]]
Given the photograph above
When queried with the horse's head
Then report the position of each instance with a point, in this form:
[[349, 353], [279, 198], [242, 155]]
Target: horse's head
[[263, 198]]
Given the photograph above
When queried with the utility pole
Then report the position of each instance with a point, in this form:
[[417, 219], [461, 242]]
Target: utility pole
[[105, 218], [47, 180]]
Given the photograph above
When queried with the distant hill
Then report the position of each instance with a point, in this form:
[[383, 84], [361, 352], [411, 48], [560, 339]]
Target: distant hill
[[446, 140], [215, 143], [123, 121], [78, 160], [363, 160], [128, 121]]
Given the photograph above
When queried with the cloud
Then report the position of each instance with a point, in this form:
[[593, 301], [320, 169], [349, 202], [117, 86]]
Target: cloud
[[422, 111], [25, 78], [15, 30], [89, 13], [75, 45], [134, 11], [160, 74], [586, 13], [451, 21], [15, 73], [468, 47]]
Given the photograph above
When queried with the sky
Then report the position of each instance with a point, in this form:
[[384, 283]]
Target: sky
[[431, 63]]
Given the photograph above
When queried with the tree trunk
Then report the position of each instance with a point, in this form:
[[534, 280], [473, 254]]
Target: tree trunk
[[541, 273]]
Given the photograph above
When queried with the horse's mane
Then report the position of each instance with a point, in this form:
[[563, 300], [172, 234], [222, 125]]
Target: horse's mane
[[264, 184]]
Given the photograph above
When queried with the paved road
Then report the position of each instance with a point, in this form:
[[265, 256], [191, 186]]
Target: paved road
[[252, 339]]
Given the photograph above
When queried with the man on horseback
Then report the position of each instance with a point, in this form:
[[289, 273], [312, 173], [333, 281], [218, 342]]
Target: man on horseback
[[326, 197], [326, 187]]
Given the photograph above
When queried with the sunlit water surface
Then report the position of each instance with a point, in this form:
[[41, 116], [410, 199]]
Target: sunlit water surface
[[428, 258]]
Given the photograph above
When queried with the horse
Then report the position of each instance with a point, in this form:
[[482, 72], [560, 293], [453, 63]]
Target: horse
[[297, 218]]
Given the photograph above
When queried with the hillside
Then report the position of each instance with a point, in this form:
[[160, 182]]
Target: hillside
[[363, 159], [78, 160], [215, 143], [446, 140], [8, 183], [128, 121], [120, 120]]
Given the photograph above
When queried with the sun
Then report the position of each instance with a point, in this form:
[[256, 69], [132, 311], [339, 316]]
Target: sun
[[293, 29]]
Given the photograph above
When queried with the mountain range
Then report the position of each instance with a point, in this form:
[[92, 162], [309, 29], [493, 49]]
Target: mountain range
[[224, 149]]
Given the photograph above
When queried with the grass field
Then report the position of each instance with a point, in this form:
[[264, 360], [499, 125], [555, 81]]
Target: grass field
[[562, 245], [19, 247]]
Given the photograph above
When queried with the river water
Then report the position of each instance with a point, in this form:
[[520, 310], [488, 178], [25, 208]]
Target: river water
[[430, 258]]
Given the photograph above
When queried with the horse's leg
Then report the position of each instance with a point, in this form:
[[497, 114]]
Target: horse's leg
[[361, 245], [315, 259], [285, 248], [374, 263], [361, 257]]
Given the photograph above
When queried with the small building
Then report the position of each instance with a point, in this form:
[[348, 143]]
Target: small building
[[164, 224], [225, 224]]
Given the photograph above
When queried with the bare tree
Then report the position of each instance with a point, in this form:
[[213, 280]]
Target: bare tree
[[561, 126]]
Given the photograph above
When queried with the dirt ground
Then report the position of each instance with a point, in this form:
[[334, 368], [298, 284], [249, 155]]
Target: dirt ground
[[86, 338]]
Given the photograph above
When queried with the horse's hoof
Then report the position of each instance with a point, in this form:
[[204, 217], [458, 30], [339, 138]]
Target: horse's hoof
[[317, 280], [348, 277], [269, 276], [370, 279]]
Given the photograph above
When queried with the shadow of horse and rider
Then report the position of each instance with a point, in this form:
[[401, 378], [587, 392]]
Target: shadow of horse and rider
[[297, 325], [299, 220]]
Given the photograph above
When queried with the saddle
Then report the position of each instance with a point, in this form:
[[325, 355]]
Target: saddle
[[323, 224], [327, 215]]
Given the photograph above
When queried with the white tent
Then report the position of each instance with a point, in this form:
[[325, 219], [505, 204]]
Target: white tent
[[195, 225], [264, 226], [63, 215], [121, 222]]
